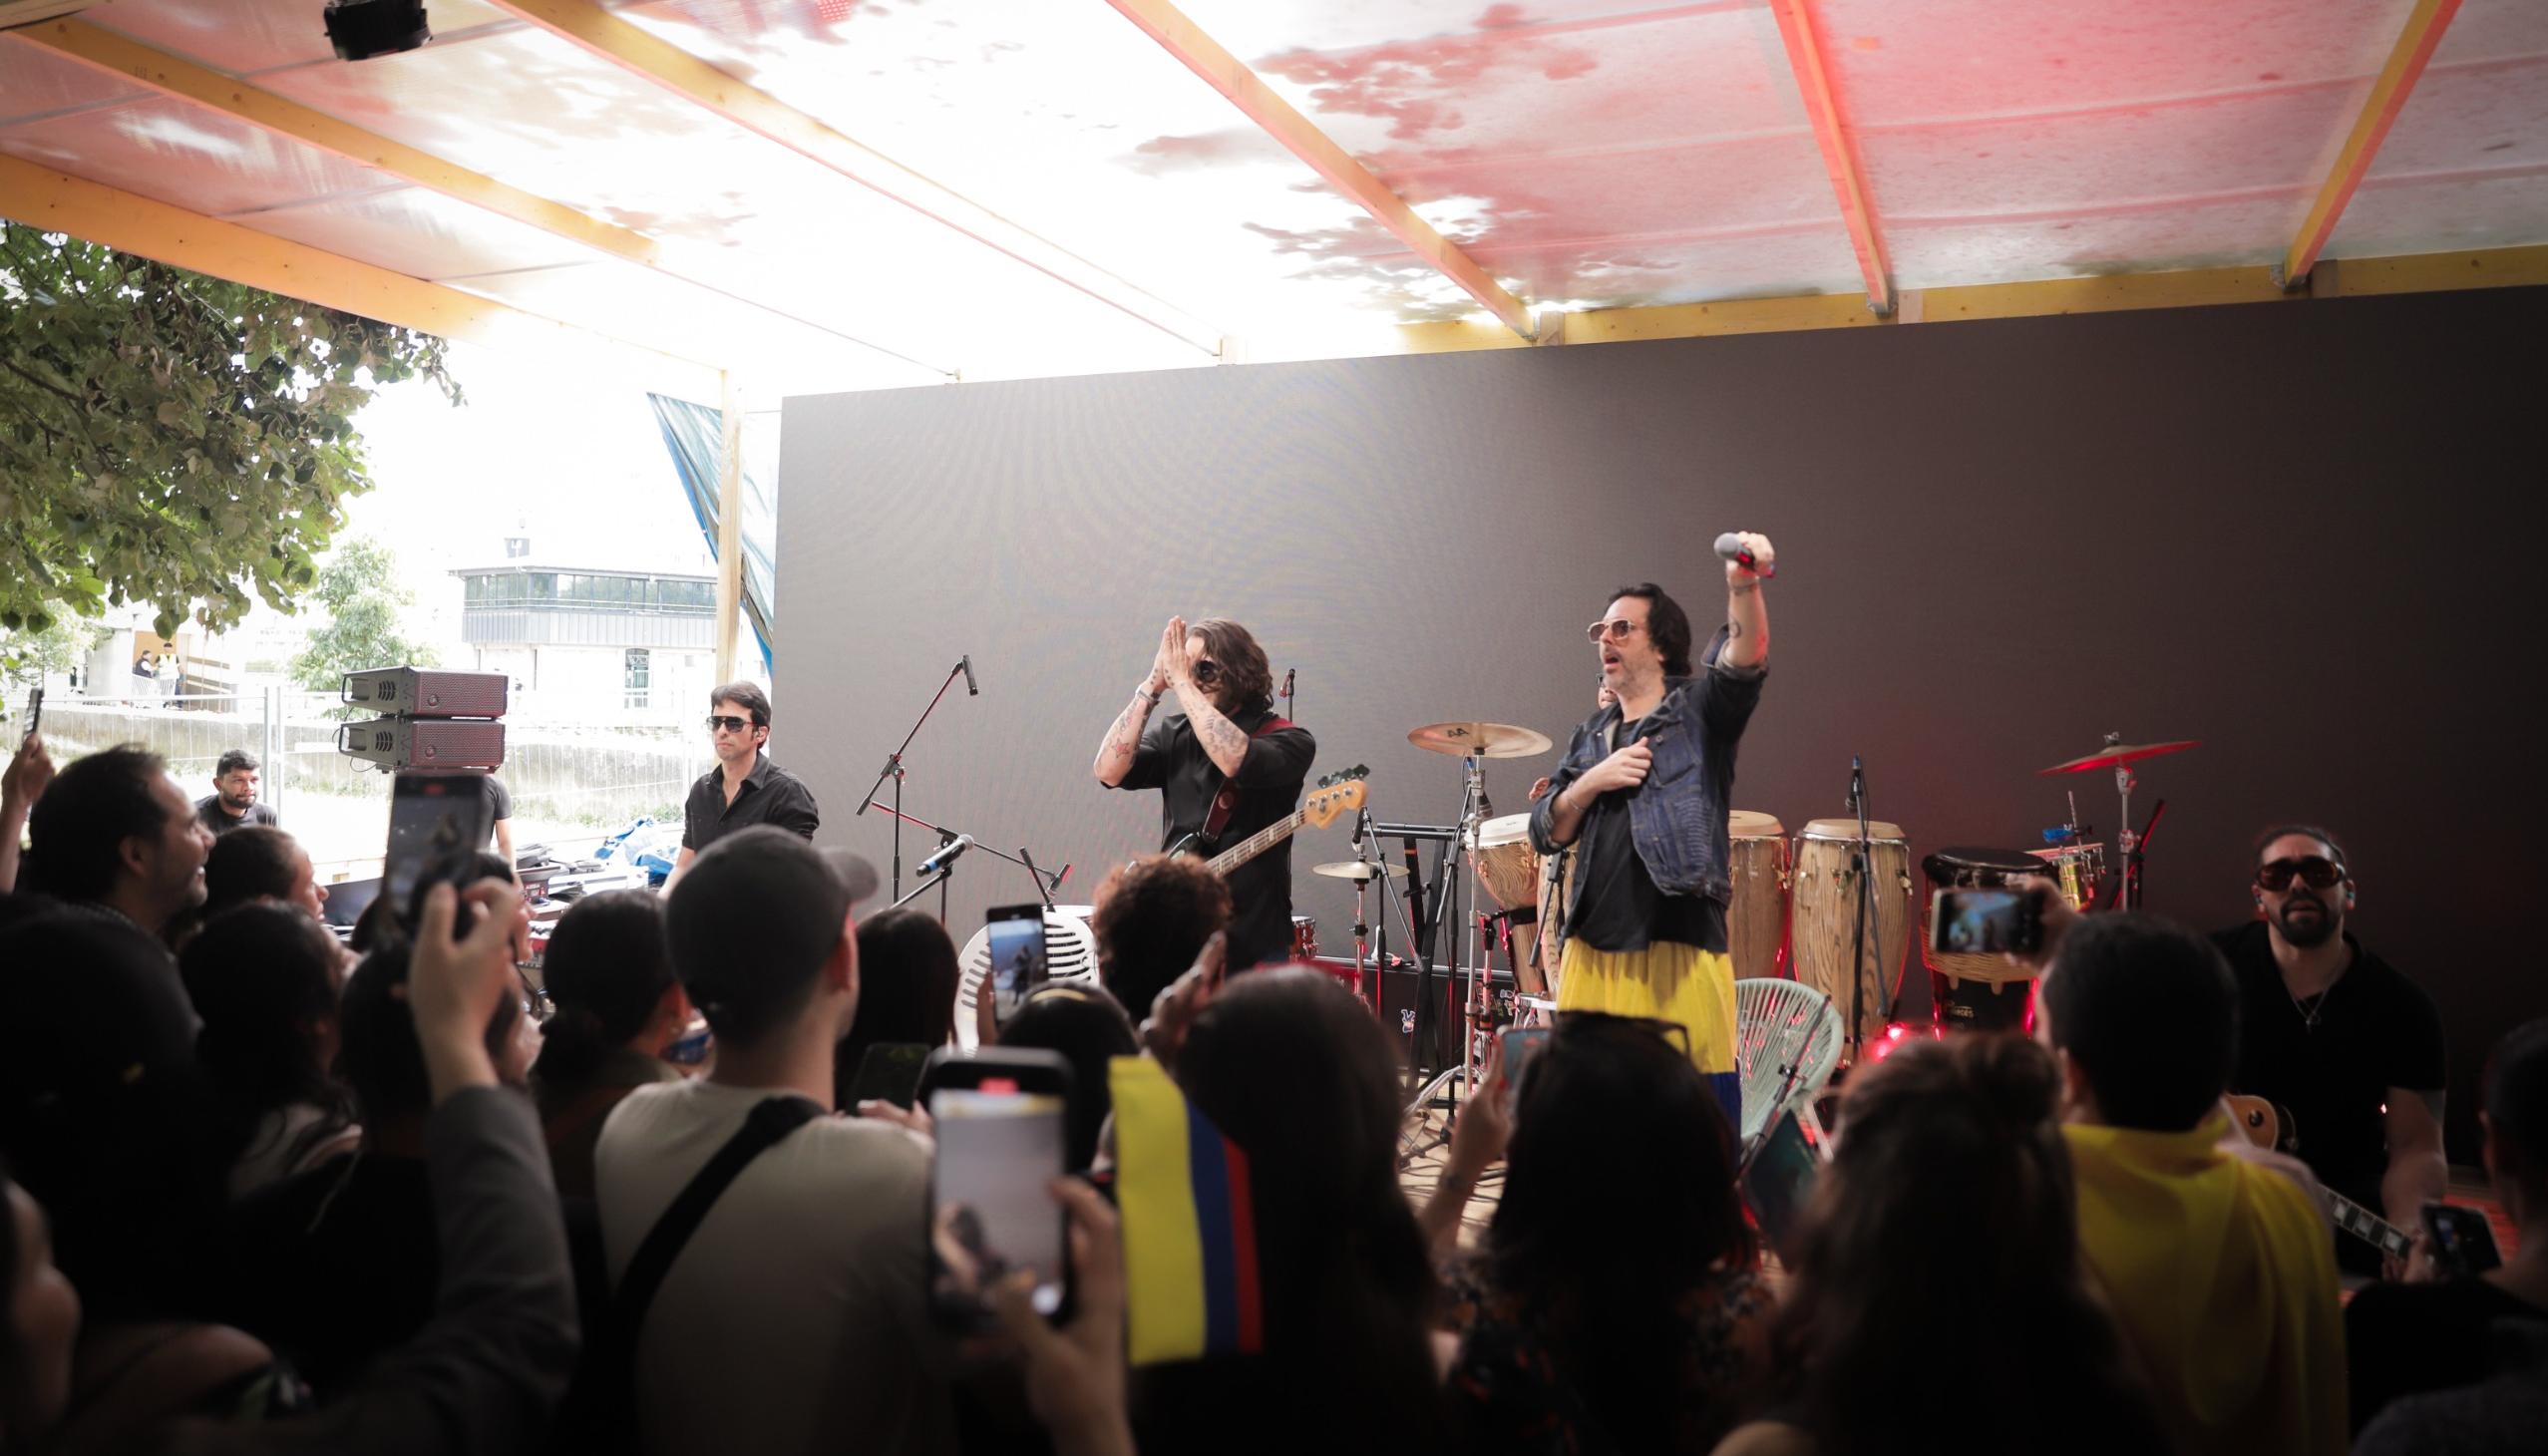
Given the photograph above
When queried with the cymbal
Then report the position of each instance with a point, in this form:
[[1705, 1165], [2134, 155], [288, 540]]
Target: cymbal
[[1483, 740], [1356, 870], [2114, 755]]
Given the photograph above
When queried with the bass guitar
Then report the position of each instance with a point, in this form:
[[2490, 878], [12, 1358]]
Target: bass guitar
[[1341, 792]]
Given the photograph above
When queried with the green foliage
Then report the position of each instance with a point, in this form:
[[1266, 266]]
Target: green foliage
[[174, 439], [359, 589], [59, 646]]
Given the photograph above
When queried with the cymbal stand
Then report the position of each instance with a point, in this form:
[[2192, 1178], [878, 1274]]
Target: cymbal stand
[[2127, 844]]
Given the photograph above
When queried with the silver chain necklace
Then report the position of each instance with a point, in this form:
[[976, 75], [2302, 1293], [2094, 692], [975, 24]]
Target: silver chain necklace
[[2309, 1015]]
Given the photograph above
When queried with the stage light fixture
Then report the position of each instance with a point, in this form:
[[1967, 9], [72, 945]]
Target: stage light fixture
[[362, 29]]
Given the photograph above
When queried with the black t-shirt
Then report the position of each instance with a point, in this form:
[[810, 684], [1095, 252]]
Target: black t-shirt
[[1616, 904], [499, 799], [770, 795], [2375, 1030], [2405, 1339], [216, 819], [1171, 760]]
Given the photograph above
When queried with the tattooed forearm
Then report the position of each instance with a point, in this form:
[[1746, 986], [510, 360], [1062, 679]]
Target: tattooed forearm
[[1122, 740], [1222, 741]]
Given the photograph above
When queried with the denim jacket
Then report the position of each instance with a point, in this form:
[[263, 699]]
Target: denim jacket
[[1676, 818]]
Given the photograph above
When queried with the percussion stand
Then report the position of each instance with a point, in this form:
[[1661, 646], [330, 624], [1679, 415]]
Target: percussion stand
[[1863, 867]]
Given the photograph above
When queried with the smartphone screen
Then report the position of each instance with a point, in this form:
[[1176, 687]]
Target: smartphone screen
[[2463, 1242], [435, 820], [991, 1208], [1521, 1043], [1985, 922], [35, 712], [1779, 1182], [1019, 961], [889, 1071]]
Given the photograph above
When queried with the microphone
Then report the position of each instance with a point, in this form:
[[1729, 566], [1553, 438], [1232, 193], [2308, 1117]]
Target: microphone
[[1731, 548], [946, 855], [1857, 781], [971, 686]]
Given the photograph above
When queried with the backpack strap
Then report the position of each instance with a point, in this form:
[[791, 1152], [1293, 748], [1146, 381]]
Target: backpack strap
[[766, 1127]]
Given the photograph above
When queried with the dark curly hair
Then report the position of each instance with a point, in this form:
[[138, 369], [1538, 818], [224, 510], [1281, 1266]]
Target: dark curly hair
[[1666, 624], [1246, 679], [1153, 917]]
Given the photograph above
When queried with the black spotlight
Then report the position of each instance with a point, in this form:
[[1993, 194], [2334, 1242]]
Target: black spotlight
[[362, 29]]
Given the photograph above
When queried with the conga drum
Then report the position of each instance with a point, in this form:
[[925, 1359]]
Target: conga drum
[[1826, 918], [1756, 919], [1979, 992], [1508, 869]]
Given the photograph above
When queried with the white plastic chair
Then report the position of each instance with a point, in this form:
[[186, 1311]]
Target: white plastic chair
[[1071, 945], [1773, 1020]]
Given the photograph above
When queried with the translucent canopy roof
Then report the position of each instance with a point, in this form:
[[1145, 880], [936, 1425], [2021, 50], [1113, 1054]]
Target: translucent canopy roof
[[1010, 188]]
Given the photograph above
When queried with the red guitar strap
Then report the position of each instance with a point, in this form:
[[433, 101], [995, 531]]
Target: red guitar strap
[[1227, 800]]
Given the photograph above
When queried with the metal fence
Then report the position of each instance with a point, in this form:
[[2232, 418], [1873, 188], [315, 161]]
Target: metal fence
[[571, 784]]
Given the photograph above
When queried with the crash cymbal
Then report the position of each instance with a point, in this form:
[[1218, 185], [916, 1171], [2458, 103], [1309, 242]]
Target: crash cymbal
[[1483, 740], [2114, 755], [1356, 870]]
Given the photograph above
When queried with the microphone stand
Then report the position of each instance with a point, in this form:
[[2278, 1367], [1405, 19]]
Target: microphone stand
[[894, 770], [948, 837], [1863, 862]]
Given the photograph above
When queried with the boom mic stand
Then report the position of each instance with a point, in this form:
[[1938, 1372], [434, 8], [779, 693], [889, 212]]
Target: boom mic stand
[[894, 769], [1045, 882]]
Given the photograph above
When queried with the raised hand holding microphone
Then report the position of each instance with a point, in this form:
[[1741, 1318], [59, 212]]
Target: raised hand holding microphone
[[1750, 560]]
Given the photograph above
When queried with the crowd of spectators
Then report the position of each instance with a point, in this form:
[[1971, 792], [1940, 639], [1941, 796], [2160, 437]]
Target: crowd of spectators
[[268, 1192]]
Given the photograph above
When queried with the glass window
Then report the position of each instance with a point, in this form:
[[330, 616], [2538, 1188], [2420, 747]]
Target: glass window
[[639, 677]]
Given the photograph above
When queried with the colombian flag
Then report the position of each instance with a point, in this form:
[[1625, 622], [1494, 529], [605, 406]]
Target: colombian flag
[[1190, 1231]]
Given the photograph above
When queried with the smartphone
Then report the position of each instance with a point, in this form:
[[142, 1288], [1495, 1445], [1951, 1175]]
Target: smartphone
[[35, 713], [1521, 1043], [1003, 1117], [1985, 922], [437, 823], [1778, 1182], [2463, 1242], [889, 1072], [1020, 960]]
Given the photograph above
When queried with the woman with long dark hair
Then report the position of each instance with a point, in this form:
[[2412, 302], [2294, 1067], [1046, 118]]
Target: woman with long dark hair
[[907, 990], [1615, 1302], [1939, 1300], [264, 978], [1294, 1071], [615, 1008]]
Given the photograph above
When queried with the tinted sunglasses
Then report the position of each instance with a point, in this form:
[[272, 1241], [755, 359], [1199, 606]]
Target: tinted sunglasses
[[2315, 871], [1618, 629], [731, 725]]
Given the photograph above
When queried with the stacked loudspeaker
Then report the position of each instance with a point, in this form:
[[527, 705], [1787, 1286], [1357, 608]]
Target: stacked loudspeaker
[[436, 719]]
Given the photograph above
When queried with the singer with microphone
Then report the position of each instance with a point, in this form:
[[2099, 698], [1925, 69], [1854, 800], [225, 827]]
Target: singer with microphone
[[1225, 767], [1642, 797], [745, 788]]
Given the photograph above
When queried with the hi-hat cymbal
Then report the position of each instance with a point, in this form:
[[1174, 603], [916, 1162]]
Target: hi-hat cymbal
[[1480, 740], [2115, 755], [1357, 869]]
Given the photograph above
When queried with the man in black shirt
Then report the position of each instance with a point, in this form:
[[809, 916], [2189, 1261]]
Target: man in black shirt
[[2330, 1033], [1225, 767], [745, 788], [232, 802]]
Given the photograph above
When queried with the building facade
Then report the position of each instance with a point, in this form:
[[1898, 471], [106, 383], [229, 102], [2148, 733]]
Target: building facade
[[592, 645]]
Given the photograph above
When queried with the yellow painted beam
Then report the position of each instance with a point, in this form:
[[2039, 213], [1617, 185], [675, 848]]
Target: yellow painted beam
[[650, 57], [2506, 267], [2415, 43], [1840, 156], [126, 58], [59, 203], [1164, 23], [729, 628]]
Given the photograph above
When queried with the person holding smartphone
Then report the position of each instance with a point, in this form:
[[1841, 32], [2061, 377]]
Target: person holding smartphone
[[1225, 766], [1642, 797]]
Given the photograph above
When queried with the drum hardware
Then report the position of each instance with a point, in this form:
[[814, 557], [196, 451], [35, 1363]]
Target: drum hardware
[[1480, 740], [1975, 991], [1357, 869], [2120, 756]]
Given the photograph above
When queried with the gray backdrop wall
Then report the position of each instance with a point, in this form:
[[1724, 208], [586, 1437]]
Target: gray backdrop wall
[[2304, 534]]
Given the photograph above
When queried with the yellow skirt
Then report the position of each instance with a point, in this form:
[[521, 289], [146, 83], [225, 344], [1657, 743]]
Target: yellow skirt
[[1665, 982]]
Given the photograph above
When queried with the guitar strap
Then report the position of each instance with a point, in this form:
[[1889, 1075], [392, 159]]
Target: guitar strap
[[1227, 800]]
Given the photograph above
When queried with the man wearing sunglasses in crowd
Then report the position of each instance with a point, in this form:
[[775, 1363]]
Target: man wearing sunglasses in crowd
[[745, 788], [2334, 1035], [1225, 765], [1643, 796]]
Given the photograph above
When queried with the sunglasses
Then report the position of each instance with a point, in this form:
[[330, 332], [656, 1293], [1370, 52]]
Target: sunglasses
[[1207, 673], [1618, 629], [730, 725], [2315, 871]]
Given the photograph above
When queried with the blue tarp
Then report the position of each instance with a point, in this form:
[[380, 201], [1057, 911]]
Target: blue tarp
[[695, 435]]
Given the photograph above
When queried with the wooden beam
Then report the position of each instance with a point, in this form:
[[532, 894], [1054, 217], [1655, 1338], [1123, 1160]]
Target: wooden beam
[[1164, 23], [658, 61], [2406, 59], [2504, 267], [59, 203], [1840, 158], [729, 628], [126, 58]]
